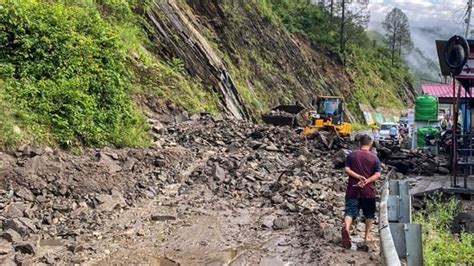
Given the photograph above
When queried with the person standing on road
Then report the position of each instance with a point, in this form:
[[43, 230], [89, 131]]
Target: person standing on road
[[363, 168]]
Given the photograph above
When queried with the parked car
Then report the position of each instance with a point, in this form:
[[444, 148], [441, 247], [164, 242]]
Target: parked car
[[384, 135]]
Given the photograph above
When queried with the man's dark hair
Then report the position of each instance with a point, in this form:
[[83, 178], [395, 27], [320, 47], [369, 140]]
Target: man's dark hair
[[365, 140]]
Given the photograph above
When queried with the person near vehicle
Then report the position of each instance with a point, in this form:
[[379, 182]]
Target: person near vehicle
[[402, 132], [330, 107], [376, 134], [393, 133], [444, 124], [363, 168]]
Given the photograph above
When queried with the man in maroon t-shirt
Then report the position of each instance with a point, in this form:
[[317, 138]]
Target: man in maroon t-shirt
[[363, 168]]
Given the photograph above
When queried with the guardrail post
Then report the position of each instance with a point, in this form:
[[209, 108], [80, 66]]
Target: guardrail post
[[399, 238]]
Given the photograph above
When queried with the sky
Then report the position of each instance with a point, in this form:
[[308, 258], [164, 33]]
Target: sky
[[445, 15], [420, 13]]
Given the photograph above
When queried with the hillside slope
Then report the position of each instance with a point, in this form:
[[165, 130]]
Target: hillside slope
[[85, 73], [245, 42]]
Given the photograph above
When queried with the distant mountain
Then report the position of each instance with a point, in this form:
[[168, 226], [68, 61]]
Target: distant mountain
[[425, 69], [423, 60]]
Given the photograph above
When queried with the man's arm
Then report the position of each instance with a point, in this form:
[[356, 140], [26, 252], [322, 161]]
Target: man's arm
[[373, 178], [354, 174], [376, 175]]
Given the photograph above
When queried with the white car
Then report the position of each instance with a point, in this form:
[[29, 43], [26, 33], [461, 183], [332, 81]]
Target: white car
[[384, 134]]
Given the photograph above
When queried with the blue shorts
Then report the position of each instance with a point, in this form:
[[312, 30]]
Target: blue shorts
[[353, 205]]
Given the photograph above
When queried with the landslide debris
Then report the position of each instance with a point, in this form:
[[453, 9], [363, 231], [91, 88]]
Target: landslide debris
[[416, 162], [52, 198]]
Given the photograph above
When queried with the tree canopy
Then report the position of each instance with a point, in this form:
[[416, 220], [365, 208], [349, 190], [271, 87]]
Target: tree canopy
[[397, 32]]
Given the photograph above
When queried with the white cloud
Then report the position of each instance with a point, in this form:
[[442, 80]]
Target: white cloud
[[446, 16], [419, 12]]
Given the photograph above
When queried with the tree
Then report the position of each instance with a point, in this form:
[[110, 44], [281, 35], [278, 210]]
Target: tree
[[404, 42], [397, 32], [353, 21]]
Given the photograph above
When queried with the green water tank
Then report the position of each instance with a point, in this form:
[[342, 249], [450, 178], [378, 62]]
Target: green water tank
[[426, 108], [422, 132]]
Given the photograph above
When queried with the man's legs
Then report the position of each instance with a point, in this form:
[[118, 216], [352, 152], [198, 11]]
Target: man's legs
[[347, 223], [346, 238], [368, 209], [351, 211], [368, 232]]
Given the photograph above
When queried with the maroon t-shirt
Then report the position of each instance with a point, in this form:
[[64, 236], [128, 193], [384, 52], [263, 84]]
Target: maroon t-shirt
[[366, 164]]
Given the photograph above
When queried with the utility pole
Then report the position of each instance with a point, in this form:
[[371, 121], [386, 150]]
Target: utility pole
[[468, 19]]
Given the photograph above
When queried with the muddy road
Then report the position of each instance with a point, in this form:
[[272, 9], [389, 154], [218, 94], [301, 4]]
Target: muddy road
[[210, 192]]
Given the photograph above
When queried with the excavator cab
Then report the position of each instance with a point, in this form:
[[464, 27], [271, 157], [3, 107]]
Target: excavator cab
[[329, 116], [330, 108]]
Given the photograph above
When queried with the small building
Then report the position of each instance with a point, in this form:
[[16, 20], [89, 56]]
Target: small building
[[444, 93]]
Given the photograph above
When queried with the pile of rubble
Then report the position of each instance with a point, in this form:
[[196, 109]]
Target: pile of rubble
[[56, 198], [410, 162]]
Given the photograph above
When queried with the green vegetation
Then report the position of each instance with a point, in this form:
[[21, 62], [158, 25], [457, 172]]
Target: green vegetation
[[68, 70], [356, 126], [439, 246], [377, 82], [65, 66]]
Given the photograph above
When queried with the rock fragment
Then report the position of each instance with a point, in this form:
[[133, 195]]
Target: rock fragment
[[162, 217], [25, 194], [14, 210], [5, 247], [281, 223], [218, 172], [26, 247]]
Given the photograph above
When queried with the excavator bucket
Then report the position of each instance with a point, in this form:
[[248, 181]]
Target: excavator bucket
[[283, 115]]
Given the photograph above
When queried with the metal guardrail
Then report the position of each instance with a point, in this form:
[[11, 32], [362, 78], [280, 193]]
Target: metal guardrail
[[389, 252], [399, 238]]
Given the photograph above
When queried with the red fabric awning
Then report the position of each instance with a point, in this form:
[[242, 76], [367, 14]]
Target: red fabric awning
[[443, 90]]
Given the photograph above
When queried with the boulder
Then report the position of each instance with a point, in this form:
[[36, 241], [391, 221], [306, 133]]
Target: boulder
[[281, 223], [5, 247], [11, 236], [340, 157], [218, 172], [129, 164], [183, 117], [110, 164], [401, 166], [162, 217], [23, 226], [277, 198], [26, 247], [332, 235], [443, 170], [31, 151], [308, 204], [14, 210], [25, 194], [271, 147], [109, 203]]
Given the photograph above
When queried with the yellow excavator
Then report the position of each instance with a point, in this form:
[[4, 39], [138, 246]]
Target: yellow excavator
[[326, 114]]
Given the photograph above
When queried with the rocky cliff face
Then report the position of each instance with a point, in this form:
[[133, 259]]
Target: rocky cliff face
[[244, 55]]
